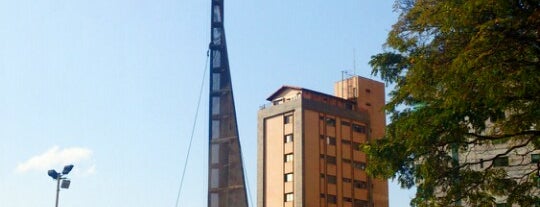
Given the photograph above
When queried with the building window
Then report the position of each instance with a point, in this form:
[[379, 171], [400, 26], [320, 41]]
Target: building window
[[331, 179], [288, 138], [288, 197], [359, 128], [357, 146], [330, 122], [359, 165], [349, 106], [344, 123], [331, 141], [481, 163], [500, 162], [331, 199], [535, 158], [360, 203], [289, 157], [278, 101], [346, 161], [331, 160], [347, 199], [288, 177], [360, 184], [287, 119], [347, 180], [345, 141]]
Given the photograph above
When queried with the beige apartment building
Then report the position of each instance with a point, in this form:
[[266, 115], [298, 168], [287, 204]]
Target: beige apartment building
[[309, 146], [518, 163]]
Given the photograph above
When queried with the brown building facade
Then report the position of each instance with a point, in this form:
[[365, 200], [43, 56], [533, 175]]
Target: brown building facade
[[309, 146]]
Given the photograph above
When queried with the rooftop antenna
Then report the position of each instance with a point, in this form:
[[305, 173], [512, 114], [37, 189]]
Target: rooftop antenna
[[343, 73], [354, 61], [345, 77]]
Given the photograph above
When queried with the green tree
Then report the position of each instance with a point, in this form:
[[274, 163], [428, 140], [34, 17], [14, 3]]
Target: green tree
[[467, 76]]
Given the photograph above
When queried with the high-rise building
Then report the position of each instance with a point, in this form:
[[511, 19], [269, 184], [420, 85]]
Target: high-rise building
[[309, 142]]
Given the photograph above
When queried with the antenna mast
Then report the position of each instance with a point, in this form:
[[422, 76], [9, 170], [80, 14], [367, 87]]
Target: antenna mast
[[354, 61]]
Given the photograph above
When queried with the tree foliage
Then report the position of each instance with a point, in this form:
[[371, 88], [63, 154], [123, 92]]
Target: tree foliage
[[467, 77]]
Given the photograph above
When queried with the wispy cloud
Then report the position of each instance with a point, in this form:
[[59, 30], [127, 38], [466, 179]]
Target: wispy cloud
[[91, 170], [56, 157]]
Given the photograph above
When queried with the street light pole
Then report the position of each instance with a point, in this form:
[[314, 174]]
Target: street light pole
[[57, 190], [59, 177]]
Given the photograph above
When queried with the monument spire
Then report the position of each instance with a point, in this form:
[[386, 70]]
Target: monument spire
[[226, 184]]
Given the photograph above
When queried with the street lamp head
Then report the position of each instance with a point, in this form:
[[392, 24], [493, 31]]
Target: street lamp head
[[65, 184], [53, 174], [67, 169]]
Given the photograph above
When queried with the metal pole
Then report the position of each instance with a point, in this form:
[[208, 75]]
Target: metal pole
[[58, 189], [342, 87]]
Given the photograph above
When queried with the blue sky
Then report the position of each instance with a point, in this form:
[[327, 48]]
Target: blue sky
[[112, 86]]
